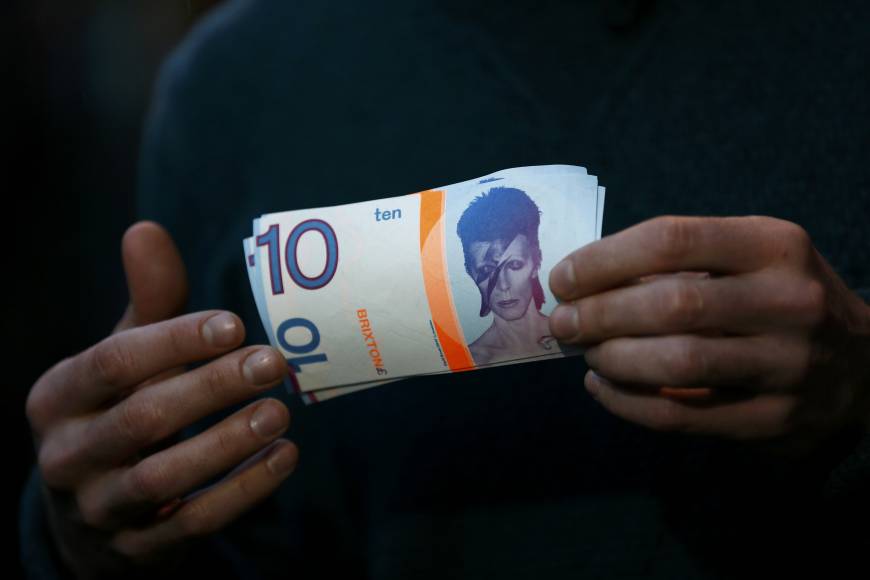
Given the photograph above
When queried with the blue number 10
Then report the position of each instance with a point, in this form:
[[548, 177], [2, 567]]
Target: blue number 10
[[271, 240]]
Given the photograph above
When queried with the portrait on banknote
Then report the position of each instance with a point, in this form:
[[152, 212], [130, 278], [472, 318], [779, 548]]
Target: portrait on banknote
[[502, 252], [503, 235]]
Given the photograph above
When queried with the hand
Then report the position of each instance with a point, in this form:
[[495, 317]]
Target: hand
[[114, 480], [743, 312]]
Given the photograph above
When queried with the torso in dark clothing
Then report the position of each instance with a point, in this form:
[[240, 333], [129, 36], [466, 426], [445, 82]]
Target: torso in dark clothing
[[720, 108]]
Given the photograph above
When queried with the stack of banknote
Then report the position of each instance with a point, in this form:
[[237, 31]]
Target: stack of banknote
[[445, 280]]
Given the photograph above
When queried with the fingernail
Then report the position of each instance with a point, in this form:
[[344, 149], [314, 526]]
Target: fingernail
[[589, 355], [565, 321], [268, 420], [593, 385], [263, 366], [562, 278], [281, 460], [220, 330]]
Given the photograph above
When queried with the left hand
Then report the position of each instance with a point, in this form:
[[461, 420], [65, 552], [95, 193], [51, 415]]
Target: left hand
[[741, 312]]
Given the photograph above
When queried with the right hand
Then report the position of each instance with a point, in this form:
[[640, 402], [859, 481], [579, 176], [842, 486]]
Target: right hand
[[117, 486]]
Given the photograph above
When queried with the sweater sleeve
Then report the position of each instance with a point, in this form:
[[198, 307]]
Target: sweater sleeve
[[39, 556]]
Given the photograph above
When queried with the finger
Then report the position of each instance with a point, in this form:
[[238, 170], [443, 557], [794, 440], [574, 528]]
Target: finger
[[116, 364], [208, 511], [126, 494], [744, 304], [690, 275], [690, 360], [764, 416], [151, 415], [128, 320], [158, 378], [667, 244], [156, 276]]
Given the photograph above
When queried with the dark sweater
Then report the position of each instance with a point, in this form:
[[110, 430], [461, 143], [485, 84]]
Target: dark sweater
[[718, 108]]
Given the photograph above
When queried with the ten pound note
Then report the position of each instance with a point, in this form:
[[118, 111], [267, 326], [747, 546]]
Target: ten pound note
[[445, 280]]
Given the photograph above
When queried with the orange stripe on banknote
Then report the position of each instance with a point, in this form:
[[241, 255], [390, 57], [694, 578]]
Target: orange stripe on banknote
[[437, 283]]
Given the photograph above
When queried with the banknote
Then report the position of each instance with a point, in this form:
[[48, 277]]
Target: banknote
[[448, 279]]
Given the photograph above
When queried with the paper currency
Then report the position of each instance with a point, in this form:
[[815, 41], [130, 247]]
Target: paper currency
[[448, 279]]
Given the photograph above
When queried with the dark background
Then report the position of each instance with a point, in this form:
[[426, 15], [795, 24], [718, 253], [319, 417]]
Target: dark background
[[78, 77]]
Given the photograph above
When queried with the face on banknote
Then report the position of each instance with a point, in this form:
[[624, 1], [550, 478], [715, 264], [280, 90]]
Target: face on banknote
[[448, 279]]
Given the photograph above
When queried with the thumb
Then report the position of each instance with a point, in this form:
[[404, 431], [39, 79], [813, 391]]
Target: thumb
[[156, 276]]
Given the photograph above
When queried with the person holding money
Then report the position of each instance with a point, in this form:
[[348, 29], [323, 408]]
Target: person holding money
[[513, 471], [499, 233]]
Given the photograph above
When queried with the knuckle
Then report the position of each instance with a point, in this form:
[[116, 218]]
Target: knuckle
[[55, 461], [684, 305], [36, 408], [41, 403], [605, 353], [127, 549], [215, 376], [196, 519], [139, 421], [802, 301], [796, 234], [147, 482], [686, 361], [246, 484], [676, 238], [128, 544], [594, 320], [811, 303], [773, 226], [806, 358], [761, 222], [50, 466], [795, 241], [815, 357], [178, 336], [790, 364], [779, 417], [139, 546], [226, 442], [112, 361], [93, 511]]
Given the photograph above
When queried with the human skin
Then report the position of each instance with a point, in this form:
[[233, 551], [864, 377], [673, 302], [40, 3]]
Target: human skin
[[117, 484], [517, 326], [774, 343]]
